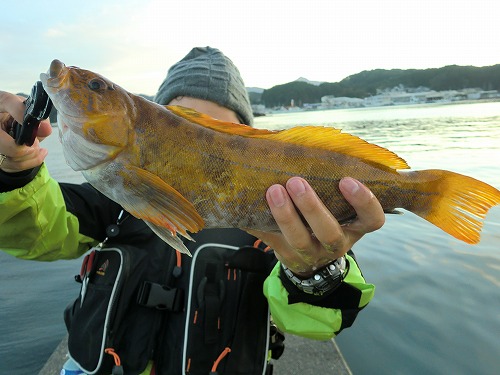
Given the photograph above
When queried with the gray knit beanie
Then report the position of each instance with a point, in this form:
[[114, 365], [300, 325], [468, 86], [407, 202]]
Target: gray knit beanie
[[205, 73]]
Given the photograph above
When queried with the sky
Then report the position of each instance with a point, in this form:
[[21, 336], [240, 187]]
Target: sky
[[134, 42]]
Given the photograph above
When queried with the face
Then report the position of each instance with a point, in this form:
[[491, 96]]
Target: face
[[205, 106]]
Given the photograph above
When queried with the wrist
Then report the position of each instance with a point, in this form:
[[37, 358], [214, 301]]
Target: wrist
[[15, 180], [320, 282]]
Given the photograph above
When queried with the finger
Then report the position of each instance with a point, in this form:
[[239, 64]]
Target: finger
[[9, 147], [6, 121], [20, 158], [12, 104], [287, 218], [18, 164], [23, 153], [321, 221], [44, 130], [370, 214]]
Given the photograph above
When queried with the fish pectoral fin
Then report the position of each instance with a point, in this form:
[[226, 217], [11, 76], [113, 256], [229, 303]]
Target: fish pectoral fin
[[166, 235], [164, 207], [323, 137]]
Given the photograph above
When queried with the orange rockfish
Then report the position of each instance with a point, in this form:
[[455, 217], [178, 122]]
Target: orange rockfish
[[180, 170]]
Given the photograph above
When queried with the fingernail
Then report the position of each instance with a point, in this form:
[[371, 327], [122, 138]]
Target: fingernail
[[296, 186], [275, 194], [350, 185]]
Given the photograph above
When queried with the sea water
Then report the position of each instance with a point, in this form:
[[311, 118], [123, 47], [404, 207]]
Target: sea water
[[436, 308]]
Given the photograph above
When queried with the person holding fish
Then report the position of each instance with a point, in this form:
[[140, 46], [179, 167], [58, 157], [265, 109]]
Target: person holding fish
[[316, 288]]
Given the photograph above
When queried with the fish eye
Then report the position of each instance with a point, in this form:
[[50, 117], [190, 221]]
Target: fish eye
[[97, 84]]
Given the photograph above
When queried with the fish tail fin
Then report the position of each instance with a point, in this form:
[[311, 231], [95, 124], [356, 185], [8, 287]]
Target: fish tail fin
[[455, 203]]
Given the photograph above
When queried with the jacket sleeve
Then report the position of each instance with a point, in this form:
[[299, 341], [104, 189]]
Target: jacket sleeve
[[318, 318], [35, 222]]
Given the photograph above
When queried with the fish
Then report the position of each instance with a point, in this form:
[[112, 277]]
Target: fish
[[180, 170]]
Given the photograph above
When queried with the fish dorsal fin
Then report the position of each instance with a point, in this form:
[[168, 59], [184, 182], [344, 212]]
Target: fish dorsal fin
[[326, 138], [214, 124], [332, 139]]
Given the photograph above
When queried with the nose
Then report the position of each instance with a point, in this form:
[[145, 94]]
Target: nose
[[56, 67]]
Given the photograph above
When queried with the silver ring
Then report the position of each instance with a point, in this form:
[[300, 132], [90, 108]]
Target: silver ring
[[2, 158]]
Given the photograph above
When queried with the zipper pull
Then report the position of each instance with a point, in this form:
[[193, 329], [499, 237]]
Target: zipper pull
[[117, 368], [224, 353]]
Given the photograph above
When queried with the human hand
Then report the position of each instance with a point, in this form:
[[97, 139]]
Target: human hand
[[305, 249], [19, 158]]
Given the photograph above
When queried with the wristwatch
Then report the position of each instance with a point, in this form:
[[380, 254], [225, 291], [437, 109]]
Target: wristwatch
[[323, 281]]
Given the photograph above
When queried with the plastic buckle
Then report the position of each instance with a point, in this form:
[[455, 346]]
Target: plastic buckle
[[160, 297]]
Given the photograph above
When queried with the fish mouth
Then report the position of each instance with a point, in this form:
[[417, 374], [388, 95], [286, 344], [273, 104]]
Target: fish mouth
[[55, 76], [56, 83], [82, 149], [60, 82]]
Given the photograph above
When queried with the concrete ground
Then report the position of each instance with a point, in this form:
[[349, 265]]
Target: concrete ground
[[301, 357], [310, 357]]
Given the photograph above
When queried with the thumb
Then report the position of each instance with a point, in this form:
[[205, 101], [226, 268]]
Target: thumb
[[45, 129], [12, 104]]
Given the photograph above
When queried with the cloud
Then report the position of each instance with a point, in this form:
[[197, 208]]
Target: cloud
[[134, 42], [54, 33]]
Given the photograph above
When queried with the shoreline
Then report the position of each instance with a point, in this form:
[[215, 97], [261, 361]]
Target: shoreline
[[270, 112]]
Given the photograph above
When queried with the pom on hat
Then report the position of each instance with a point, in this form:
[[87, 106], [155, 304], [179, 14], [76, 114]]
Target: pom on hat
[[206, 73]]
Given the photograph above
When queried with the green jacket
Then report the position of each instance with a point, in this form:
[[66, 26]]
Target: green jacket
[[44, 220]]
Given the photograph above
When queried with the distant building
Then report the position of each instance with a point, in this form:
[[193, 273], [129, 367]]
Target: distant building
[[490, 94], [331, 101], [398, 95]]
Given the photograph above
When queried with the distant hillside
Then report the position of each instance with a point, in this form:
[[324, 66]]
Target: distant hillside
[[367, 83], [314, 83], [257, 90]]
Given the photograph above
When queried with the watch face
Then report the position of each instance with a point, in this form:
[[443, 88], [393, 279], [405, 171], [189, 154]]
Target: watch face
[[325, 280]]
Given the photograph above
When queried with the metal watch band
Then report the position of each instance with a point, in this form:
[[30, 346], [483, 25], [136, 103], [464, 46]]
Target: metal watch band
[[323, 281]]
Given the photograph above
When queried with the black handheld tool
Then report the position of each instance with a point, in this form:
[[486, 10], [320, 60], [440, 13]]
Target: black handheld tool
[[38, 106]]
